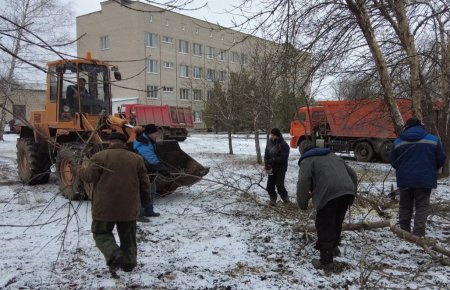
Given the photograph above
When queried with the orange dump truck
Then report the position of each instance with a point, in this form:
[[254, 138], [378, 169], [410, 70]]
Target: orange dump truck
[[363, 126]]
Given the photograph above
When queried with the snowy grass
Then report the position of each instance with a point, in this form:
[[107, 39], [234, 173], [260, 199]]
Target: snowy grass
[[210, 236]]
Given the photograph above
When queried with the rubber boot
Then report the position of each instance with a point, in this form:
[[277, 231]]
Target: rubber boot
[[326, 260], [273, 202]]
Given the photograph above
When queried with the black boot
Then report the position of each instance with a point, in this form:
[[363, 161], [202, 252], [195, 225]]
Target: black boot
[[326, 260]]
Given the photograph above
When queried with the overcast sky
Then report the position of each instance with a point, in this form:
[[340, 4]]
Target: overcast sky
[[215, 10]]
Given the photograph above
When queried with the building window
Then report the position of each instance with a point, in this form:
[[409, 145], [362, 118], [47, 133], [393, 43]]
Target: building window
[[211, 52], [184, 71], [167, 39], [222, 55], [152, 66], [150, 18], [222, 76], [244, 59], [167, 22], [198, 95], [152, 92], [197, 72], [184, 46], [168, 64], [151, 39], [168, 89], [104, 42], [210, 74], [184, 94], [196, 30], [183, 26], [234, 56], [209, 95], [197, 117], [197, 49]]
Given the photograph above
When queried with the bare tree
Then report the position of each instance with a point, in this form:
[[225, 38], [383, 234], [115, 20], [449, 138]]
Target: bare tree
[[21, 23]]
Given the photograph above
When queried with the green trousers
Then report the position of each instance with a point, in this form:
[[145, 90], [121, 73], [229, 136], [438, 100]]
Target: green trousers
[[104, 240]]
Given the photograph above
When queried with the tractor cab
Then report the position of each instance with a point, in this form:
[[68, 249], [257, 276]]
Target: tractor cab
[[84, 89]]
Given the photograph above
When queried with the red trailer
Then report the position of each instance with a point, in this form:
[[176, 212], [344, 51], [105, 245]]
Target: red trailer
[[363, 126], [173, 120]]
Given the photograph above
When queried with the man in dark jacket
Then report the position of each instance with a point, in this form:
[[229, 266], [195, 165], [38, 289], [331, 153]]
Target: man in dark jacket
[[331, 183], [145, 145], [121, 185], [416, 155], [276, 162]]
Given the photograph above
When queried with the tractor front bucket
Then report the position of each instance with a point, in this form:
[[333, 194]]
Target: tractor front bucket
[[185, 171]]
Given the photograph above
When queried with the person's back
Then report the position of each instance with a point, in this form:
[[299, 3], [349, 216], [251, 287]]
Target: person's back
[[117, 191], [416, 155], [327, 174]]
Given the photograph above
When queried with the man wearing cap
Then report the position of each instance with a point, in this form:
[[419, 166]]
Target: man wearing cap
[[416, 155], [325, 178], [276, 162], [121, 186], [145, 145]]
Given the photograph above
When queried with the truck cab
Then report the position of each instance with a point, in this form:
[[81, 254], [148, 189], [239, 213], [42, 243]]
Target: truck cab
[[302, 126]]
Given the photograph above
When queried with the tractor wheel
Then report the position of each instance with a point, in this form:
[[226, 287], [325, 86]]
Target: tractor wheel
[[385, 151], [33, 167], [364, 151], [71, 187], [303, 144]]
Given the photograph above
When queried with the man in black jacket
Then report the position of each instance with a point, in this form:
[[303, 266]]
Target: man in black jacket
[[276, 163]]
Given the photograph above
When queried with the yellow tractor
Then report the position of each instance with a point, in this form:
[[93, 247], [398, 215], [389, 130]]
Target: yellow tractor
[[77, 122]]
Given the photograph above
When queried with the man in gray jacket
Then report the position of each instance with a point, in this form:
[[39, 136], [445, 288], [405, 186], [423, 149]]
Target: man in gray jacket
[[331, 183]]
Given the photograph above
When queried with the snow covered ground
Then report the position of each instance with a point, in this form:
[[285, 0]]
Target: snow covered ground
[[209, 236]]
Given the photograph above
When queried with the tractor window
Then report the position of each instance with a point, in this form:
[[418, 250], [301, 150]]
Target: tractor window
[[69, 96], [94, 92], [53, 84]]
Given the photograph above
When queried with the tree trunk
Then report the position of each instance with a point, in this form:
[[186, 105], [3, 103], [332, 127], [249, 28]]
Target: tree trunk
[[257, 145], [230, 143], [358, 9], [9, 79]]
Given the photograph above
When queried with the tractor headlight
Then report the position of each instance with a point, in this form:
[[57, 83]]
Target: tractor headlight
[[66, 109]]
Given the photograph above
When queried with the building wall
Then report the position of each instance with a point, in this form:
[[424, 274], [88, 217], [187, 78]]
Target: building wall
[[126, 28], [31, 99]]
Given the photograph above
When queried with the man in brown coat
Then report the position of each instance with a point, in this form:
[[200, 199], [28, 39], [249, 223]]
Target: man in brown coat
[[121, 184]]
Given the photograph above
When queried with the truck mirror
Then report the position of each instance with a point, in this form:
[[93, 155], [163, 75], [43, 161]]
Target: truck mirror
[[117, 75]]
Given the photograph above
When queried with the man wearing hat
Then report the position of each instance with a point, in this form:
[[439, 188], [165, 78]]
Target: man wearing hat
[[276, 162], [121, 186], [145, 145], [416, 155]]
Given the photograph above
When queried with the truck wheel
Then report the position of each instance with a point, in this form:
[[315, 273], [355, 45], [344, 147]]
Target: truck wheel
[[363, 151], [33, 168], [303, 144], [385, 151], [69, 184]]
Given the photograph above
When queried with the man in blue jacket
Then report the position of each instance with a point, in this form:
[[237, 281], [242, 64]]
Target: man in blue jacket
[[145, 145], [416, 155]]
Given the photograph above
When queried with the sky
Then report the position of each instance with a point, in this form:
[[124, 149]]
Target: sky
[[215, 10]]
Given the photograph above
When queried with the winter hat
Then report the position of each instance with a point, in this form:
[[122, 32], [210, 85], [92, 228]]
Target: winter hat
[[276, 132], [412, 122], [150, 128], [118, 136]]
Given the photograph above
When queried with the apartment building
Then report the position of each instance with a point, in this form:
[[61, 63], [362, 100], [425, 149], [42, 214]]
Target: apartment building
[[164, 57]]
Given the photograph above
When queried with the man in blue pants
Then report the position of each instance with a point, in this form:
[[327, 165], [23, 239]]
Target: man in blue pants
[[145, 145]]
